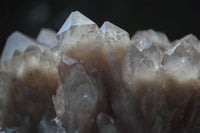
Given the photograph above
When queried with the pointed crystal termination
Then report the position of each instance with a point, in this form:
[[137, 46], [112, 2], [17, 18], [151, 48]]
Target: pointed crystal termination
[[47, 36], [189, 40], [79, 36], [142, 38], [75, 19], [109, 27], [179, 61], [115, 37], [144, 65], [117, 40], [17, 41], [116, 44]]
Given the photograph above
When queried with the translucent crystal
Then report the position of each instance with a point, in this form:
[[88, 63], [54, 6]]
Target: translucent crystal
[[80, 37], [111, 28], [69, 61], [142, 77], [143, 38], [48, 124], [47, 36], [17, 41], [78, 99], [182, 61], [125, 110], [34, 80], [116, 45], [190, 41], [144, 65], [117, 40], [75, 19]]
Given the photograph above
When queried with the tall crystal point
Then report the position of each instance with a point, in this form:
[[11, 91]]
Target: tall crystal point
[[79, 36]]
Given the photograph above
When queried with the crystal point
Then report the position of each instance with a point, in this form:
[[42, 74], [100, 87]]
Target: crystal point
[[142, 38], [80, 37], [47, 36], [18, 41], [109, 27], [75, 19]]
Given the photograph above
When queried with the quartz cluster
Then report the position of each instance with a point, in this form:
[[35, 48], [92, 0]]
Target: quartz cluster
[[87, 79]]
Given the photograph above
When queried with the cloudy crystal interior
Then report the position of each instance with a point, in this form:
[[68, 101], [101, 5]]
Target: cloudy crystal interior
[[87, 79]]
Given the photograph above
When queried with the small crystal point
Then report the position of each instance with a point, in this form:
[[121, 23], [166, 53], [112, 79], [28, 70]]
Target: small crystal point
[[75, 19], [47, 36], [191, 40], [18, 41], [142, 38], [117, 40], [109, 27], [182, 61]]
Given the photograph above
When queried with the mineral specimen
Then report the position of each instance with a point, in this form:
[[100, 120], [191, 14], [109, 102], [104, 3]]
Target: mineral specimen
[[87, 79]]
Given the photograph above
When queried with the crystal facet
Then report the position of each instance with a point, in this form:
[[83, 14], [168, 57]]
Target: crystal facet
[[47, 36], [75, 19], [79, 36], [143, 38], [79, 98], [17, 41]]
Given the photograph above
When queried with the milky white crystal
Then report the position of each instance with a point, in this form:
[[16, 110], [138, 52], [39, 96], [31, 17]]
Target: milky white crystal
[[143, 38], [17, 41], [47, 36]]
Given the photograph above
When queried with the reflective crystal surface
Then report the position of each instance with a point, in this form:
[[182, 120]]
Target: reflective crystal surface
[[142, 38], [17, 41], [80, 37], [47, 36], [79, 97], [87, 79]]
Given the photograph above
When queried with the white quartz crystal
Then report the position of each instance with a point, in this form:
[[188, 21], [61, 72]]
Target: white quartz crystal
[[47, 36], [143, 38], [17, 41]]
